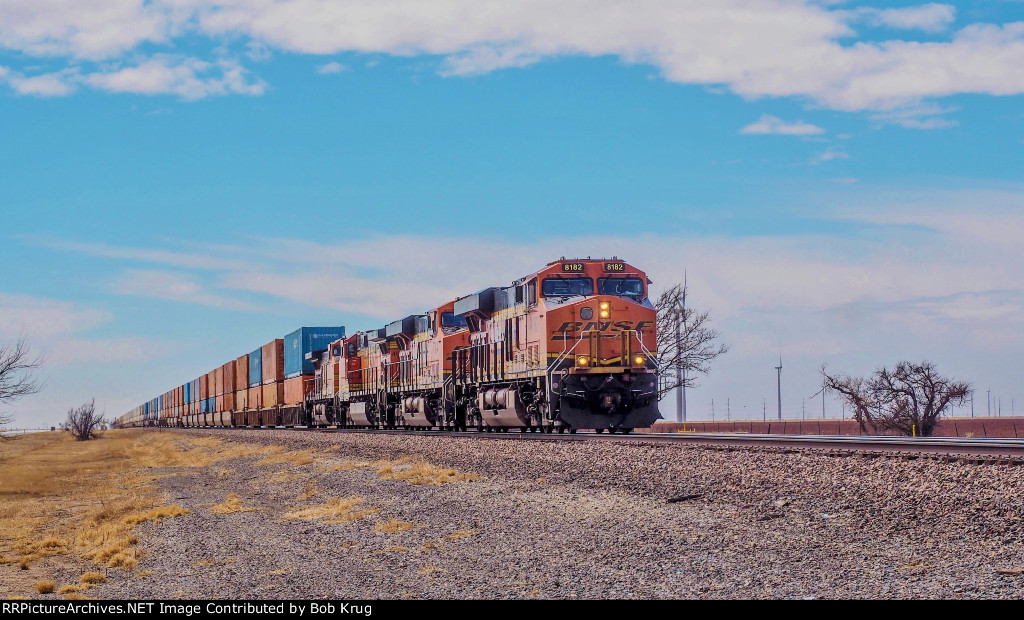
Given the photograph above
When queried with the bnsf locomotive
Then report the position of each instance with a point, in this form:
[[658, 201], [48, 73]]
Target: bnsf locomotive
[[572, 346]]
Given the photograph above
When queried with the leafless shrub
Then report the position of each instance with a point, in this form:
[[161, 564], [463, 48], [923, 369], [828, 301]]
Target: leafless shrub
[[693, 346], [908, 399], [83, 423], [16, 380]]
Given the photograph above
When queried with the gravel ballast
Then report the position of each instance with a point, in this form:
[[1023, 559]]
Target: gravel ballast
[[585, 520]]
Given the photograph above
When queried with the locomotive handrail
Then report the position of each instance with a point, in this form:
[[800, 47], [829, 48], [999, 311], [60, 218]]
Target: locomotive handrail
[[643, 347]]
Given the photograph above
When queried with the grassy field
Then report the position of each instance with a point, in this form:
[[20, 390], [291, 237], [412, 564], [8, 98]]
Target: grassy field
[[65, 503]]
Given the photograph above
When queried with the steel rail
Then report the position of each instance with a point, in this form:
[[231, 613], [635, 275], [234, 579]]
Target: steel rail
[[855, 443]]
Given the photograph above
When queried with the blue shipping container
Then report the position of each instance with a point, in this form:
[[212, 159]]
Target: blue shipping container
[[195, 390], [304, 340], [256, 367], [187, 392]]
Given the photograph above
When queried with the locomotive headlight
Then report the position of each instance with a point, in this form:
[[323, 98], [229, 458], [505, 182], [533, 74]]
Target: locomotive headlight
[[605, 310], [582, 360], [604, 305], [638, 360]]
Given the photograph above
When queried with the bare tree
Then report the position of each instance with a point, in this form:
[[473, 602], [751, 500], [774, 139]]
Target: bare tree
[[908, 399], [695, 347], [83, 423], [16, 381]]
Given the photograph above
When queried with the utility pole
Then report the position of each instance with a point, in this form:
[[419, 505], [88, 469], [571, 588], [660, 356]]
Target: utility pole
[[803, 408], [728, 411], [712, 409], [823, 403], [972, 403], [988, 400], [764, 409], [779, 370]]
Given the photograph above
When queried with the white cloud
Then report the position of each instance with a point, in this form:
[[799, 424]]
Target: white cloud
[[330, 68], [928, 17], [57, 84], [828, 155], [189, 78], [768, 124], [771, 48], [173, 286], [217, 260], [95, 30], [43, 318]]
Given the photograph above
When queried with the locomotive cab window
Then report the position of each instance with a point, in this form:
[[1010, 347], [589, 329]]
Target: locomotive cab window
[[448, 319], [567, 287], [623, 287]]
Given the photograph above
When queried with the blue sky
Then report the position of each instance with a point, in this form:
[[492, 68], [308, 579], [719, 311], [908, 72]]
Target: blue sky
[[182, 181]]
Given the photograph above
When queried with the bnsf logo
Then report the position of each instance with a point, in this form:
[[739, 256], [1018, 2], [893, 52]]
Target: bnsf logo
[[601, 326]]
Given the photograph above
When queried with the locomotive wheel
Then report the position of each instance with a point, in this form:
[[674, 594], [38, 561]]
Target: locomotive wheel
[[572, 431], [561, 430], [598, 430], [626, 431]]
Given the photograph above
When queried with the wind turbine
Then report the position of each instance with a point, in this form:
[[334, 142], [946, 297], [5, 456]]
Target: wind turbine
[[779, 369]]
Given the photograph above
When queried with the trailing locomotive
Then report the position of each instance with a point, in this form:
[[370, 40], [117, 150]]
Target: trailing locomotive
[[571, 346]]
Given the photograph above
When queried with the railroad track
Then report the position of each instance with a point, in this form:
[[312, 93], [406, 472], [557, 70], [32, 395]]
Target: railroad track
[[879, 444]]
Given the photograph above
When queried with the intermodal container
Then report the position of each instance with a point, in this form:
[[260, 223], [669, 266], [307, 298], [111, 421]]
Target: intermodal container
[[229, 377], [273, 394], [204, 387], [256, 368], [218, 381], [255, 398], [242, 400], [295, 389], [307, 340], [229, 401], [241, 373], [187, 392], [273, 362]]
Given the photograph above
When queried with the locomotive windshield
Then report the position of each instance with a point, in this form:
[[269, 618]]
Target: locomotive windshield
[[567, 287], [623, 287], [448, 319]]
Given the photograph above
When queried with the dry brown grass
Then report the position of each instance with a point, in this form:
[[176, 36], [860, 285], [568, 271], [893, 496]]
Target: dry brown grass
[[232, 504], [75, 596], [69, 588], [283, 476], [423, 473], [335, 510], [309, 491], [392, 526], [145, 573], [279, 455], [92, 578], [61, 497], [46, 587], [461, 534]]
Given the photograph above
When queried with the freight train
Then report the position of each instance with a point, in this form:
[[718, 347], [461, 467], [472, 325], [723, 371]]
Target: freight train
[[571, 346]]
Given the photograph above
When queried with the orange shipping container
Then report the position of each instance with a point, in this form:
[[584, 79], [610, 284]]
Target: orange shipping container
[[219, 403], [242, 400], [229, 377], [218, 381], [273, 361], [229, 402], [204, 388], [255, 397], [242, 373], [295, 389], [273, 394]]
